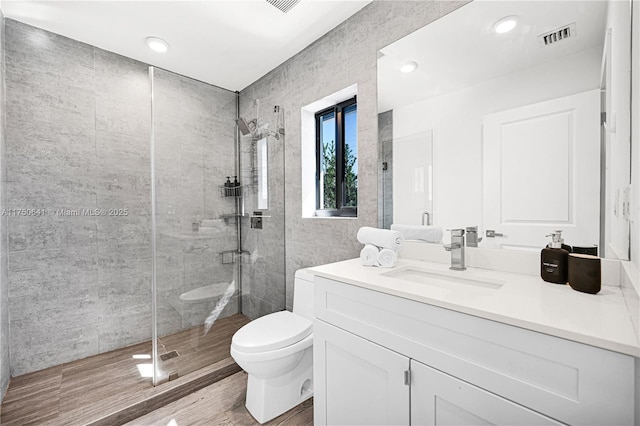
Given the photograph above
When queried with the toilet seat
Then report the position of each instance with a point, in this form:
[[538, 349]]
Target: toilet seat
[[281, 353], [271, 332]]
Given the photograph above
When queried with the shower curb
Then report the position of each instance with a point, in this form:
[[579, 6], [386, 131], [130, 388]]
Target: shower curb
[[171, 391]]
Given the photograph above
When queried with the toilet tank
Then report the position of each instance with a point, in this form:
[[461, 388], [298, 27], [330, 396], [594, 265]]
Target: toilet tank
[[303, 294]]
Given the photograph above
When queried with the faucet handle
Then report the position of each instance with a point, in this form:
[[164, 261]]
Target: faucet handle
[[459, 232]]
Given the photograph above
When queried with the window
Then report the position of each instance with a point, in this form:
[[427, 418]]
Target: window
[[337, 160]]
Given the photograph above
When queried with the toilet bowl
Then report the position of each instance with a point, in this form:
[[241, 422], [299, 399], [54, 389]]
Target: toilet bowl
[[276, 352]]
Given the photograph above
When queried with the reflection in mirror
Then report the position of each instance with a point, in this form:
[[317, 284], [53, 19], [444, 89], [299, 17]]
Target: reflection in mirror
[[520, 132], [412, 182]]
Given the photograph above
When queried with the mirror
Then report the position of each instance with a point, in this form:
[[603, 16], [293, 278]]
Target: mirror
[[520, 132]]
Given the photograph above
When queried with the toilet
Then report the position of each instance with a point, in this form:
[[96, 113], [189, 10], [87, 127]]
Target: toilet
[[276, 352]]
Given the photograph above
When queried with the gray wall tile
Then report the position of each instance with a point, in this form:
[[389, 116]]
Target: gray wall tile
[[79, 138], [122, 103], [5, 371], [263, 276], [51, 231]]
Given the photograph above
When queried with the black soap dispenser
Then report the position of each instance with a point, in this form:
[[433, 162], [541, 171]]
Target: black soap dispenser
[[236, 187], [227, 187], [554, 260]]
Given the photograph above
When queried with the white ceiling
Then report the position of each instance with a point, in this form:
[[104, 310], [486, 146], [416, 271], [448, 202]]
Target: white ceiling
[[229, 43], [461, 50]]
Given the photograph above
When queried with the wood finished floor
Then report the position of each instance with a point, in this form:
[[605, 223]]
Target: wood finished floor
[[82, 391], [197, 349], [220, 404]]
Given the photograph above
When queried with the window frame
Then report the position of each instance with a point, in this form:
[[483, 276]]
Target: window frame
[[338, 112]]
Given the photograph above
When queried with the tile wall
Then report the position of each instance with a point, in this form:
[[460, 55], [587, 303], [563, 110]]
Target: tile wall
[[4, 281], [78, 131], [263, 273]]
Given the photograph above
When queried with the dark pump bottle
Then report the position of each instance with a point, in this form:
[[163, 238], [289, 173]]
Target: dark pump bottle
[[236, 187], [554, 260], [227, 187]]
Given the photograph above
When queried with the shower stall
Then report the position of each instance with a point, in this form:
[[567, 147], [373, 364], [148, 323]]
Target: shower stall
[[217, 220], [155, 226]]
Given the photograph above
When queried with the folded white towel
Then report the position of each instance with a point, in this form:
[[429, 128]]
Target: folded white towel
[[387, 258], [369, 255], [383, 238], [431, 234]]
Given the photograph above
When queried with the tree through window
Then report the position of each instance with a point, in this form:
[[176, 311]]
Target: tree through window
[[337, 159]]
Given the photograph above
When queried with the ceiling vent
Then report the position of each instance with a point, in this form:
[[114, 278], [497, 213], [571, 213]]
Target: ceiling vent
[[283, 5], [553, 37]]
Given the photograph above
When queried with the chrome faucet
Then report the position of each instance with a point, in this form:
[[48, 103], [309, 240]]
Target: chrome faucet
[[457, 249], [472, 236]]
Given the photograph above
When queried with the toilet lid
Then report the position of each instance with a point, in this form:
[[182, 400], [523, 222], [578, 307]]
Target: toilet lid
[[270, 332]]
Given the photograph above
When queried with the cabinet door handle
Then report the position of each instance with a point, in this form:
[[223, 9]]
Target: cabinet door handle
[[407, 377]]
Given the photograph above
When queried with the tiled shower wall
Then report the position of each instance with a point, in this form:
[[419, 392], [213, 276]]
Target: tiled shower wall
[[77, 137], [4, 282], [78, 128], [345, 56], [263, 274]]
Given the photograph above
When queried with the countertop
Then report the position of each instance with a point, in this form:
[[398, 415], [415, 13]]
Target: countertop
[[525, 301]]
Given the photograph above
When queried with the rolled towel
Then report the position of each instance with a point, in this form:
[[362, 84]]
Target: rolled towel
[[383, 238], [430, 234], [369, 255], [387, 258]]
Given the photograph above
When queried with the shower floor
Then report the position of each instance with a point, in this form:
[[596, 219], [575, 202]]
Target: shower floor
[[87, 390], [190, 350]]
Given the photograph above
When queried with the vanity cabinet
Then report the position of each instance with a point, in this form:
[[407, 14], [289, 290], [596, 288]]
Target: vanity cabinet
[[362, 382], [382, 359], [440, 399], [367, 384]]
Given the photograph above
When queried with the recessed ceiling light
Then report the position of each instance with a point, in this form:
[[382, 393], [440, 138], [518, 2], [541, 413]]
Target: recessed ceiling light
[[505, 24], [410, 66], [157, 44]]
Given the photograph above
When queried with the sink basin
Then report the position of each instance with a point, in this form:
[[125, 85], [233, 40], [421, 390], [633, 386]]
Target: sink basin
[[445, 279]]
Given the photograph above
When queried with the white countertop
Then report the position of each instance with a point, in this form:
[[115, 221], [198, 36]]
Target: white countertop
[[526, 301]]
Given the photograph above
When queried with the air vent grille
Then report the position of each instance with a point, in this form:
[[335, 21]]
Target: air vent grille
[[558, 35], [283, 5]]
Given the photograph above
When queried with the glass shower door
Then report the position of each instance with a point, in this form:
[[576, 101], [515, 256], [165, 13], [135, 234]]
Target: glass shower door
[[262, 165], [196, 298]]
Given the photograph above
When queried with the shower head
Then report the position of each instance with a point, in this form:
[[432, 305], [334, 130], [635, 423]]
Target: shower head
[[243, 126]]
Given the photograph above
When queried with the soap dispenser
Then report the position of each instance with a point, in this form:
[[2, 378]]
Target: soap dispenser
[[227, 187], [554, 260], [236, 187]]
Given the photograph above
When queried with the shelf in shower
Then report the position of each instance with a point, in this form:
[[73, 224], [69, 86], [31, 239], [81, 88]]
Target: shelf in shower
[[232, 216], [233, 256], [233, 191]]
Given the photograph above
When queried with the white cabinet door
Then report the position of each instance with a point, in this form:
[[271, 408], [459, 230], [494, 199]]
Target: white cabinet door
[[440, 399], [357, 382]]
